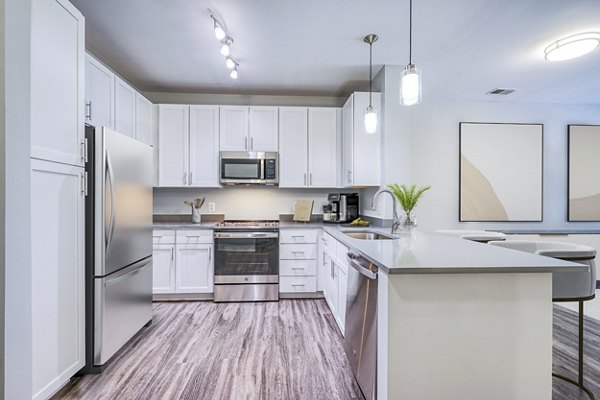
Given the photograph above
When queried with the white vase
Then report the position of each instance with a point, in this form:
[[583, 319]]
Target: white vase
[[196, 217]]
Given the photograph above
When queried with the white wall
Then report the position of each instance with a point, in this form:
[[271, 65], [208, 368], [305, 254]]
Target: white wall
[[18, 356], [435, 157], [394, 125], [240, 202], [2, 190]]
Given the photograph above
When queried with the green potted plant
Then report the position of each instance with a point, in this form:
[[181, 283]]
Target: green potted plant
[[408, 196]]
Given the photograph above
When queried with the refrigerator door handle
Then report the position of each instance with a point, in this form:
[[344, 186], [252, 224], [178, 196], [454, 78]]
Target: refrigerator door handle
[[110, 180]]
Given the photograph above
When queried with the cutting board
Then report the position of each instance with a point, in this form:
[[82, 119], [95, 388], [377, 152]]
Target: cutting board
[[303, 210]]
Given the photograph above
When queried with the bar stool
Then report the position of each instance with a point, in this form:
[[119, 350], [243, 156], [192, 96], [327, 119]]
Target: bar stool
[[566, 286], [473, 235]]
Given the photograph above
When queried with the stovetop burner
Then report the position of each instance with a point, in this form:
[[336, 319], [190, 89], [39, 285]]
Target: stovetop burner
[[240, 224]]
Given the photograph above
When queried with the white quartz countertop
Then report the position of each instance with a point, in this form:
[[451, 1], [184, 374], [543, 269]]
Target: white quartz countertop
[[424, 252], [434, 253]]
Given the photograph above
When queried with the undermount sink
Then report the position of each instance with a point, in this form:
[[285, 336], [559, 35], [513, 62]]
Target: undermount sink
[[368, 235]]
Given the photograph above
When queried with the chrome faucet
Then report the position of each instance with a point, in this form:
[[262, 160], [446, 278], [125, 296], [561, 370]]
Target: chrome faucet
[[395, 219]]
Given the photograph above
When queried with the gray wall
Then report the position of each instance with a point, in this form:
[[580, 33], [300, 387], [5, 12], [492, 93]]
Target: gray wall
[[18, 355], [239, 202], [249, 100], [435, 150]]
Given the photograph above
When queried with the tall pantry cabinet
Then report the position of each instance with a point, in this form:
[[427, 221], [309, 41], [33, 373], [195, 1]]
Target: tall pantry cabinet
[[57, 194]]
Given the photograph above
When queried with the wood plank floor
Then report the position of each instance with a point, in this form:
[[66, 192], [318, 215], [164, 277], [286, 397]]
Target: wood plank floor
[[269, 351], [201, 350]]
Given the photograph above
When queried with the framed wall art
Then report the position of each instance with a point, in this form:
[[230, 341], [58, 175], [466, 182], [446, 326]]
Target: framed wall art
[[584, 173], [501, 172]]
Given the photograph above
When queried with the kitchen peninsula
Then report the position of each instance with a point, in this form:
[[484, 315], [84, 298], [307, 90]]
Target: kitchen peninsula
[[473, 318]]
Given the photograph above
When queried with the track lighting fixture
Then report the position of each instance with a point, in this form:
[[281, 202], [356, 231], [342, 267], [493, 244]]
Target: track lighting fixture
[[234, 73], [226, 46], [218, 28]]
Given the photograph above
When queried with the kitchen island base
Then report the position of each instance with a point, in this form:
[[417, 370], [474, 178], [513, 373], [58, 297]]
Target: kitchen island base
[[465, 336]]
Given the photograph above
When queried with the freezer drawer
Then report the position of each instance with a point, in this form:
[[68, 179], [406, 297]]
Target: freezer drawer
[[123, 305]]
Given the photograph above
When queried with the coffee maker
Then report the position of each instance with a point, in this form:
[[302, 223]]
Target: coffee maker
[[341, 207]]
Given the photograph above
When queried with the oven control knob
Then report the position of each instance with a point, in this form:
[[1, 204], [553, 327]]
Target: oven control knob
[[246, 279]]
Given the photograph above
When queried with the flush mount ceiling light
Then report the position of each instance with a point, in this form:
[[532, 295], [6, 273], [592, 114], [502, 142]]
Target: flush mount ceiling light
[[218, 28], [572, 46], [370, 112], [225, 46], [410, 84]]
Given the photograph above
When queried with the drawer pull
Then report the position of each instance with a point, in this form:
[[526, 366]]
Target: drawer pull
[[297, 284], [298, 268], [298, 236], [297, 252], [193, 236]]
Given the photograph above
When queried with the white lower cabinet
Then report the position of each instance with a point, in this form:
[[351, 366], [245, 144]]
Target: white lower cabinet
[[58, 266], [193, 268], [182, 261], [163, 268], [335, 278], [298, 261]]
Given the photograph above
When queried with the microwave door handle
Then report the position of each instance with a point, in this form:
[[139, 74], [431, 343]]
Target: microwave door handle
[[262, 168]]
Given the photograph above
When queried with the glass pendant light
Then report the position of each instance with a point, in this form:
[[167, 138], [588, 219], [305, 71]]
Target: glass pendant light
[[370, 112], [410, 83]]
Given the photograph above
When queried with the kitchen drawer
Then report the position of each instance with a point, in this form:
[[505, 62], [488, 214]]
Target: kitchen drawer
[[163, 236], [298, 236], [297, 251], [191, 236], [297, 284], [297, 267]]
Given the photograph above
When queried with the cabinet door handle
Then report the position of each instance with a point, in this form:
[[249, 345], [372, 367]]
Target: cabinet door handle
[[190, 178], [185, 178], [310, 175], [84, 150], [304, 179], [349, 176], [172, 253], [246, 143], [251, 143], [209, 254], [88, 110]]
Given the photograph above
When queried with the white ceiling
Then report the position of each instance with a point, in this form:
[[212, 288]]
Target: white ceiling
[[314, 47]]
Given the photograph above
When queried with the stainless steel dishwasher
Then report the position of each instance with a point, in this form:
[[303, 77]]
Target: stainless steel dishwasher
[[361, 323]]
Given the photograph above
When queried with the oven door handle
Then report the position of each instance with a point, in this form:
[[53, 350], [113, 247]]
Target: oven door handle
[[246, 235]]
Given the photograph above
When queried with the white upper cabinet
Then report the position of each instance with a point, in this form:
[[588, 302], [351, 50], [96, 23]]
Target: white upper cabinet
[[99, 93], [293, 146], [324, 140], [234, 128], [124, 108], [204, 146], [263, 129], [361, 151], [309, 147], [144, 120], [248, 128], [173, 142], [57, 70]]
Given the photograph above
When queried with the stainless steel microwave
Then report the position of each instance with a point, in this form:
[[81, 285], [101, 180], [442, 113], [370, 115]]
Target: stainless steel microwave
[[248, 168]]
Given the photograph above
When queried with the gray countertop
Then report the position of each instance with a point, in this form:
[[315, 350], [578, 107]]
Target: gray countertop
[[424, 252], [550, 232], [434, 253]]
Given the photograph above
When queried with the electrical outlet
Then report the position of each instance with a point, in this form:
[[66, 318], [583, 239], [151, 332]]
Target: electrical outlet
[[211, 206]]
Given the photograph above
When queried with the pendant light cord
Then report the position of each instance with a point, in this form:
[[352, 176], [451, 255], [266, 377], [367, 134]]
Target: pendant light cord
[[410, 34], [370, 70]]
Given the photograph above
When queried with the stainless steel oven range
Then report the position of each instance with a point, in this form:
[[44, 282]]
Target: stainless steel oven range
[[246, 261]]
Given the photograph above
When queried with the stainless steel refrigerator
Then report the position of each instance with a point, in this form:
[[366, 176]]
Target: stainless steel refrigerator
[[118, 243]]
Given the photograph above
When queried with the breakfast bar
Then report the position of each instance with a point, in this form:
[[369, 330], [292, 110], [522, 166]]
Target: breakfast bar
[[460, 320]]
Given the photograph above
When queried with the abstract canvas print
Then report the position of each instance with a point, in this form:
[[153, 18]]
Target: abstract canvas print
[[584, 173], [501, 172]]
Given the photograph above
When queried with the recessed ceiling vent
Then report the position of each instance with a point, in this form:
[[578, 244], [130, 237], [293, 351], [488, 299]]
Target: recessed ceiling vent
[[501, 91]]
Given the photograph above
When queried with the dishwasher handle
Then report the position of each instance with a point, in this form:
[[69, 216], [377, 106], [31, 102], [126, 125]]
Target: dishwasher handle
[[355, 262]]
